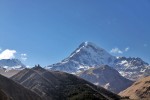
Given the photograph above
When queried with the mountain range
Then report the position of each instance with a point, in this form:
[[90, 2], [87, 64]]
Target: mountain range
[[86, 73], [40, 84], [88, 55]]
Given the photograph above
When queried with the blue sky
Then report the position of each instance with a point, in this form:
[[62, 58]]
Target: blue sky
[[47, 31]]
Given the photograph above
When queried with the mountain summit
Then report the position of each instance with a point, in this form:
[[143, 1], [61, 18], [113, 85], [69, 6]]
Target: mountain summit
[[87, 55], [90, 54]]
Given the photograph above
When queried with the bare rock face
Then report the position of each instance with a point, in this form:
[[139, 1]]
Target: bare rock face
[[106, 77], [139, 90], [55, 85], [10, 90]]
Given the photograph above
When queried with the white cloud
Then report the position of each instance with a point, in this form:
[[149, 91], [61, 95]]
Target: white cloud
[[7, 54], [23, 56], [116, 50], [126, 49]]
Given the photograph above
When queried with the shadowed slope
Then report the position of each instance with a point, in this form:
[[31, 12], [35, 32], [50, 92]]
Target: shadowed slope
[[55, 85], [4, 96], [9, 88]]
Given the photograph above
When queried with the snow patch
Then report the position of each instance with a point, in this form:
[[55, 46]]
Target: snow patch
[[96, 83], [107, 86]]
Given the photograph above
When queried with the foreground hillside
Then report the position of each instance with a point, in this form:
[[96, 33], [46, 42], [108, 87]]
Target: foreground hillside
[[55, 85], [10, 90], [4, 96], [139, 90]]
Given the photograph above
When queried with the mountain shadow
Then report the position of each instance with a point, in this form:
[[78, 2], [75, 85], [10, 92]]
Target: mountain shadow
[[55, 85]]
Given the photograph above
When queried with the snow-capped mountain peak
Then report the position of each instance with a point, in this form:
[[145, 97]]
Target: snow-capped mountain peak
[[9, 64], [85, 45], [90, 54], [85, 56]]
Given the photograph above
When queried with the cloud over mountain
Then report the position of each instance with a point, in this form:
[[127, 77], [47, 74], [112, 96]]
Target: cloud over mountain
[[7, 54], [116, 50], [23, 56]]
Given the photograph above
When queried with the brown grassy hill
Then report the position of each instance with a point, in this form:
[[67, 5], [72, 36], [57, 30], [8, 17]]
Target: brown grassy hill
[[139, 90]]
